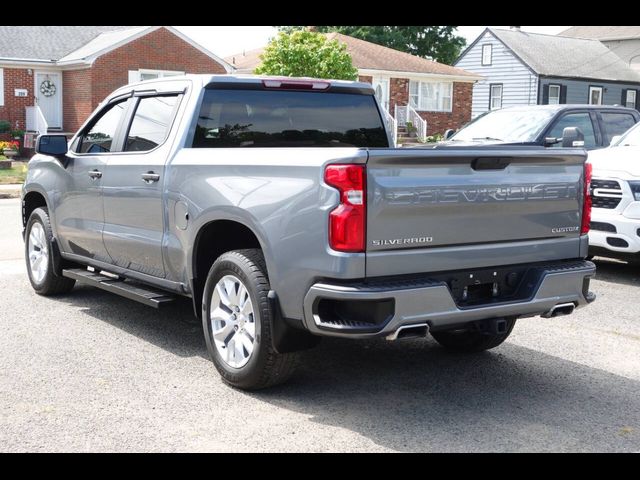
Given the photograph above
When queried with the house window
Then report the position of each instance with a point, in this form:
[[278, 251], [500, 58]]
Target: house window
[[146, 74], [595, 95], [554, 94], [1, 87], [487, 52], [431, 96], [631, 99], [495, 97]]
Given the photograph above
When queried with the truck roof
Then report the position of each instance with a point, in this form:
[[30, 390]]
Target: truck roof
[[203, 80]]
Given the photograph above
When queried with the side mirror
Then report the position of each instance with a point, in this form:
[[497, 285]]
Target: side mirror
[[615, 139], [549, 141], [448, 133], [54, 145], [572, 137]]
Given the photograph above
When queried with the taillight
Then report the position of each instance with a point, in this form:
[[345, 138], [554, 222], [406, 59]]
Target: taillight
[[586, 206], [347, 220]]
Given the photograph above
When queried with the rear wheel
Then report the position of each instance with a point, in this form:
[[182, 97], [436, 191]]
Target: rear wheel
[[237, 321], [41, 256], [470, 341]]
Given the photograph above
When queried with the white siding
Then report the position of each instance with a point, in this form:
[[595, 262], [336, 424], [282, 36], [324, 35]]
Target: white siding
[[519, 84]]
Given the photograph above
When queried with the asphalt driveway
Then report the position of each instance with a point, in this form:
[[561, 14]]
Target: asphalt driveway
[[90, 371]]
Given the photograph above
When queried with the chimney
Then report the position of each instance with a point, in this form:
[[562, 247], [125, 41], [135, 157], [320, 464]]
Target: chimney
[[517, 29]]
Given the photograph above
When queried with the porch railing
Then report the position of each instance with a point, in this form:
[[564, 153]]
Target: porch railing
[[35, 121], [392, 125], [418, 122]]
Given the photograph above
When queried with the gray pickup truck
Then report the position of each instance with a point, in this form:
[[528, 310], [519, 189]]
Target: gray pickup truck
[[279, 208]]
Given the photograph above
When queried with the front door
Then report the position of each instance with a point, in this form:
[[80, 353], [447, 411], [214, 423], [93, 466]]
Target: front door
[[133, 188], [49, 97], [80, 212], [381, 87]]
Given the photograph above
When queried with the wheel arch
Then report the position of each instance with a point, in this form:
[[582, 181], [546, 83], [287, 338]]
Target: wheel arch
[[31, 200], [213, 238]]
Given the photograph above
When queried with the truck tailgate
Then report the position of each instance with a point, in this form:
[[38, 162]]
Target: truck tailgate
[[455, 208]]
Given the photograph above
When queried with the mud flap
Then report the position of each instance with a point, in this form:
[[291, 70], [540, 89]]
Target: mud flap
[[286, 338]]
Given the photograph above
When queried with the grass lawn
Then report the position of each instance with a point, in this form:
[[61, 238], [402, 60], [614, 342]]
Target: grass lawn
[[17, 174]]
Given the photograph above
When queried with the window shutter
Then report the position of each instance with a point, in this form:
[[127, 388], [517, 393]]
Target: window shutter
[[637, 101], [623, 101], [563, 94], [134, 76], [545, 95]]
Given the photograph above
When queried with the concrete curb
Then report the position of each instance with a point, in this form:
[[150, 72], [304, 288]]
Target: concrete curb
[[10, 191]]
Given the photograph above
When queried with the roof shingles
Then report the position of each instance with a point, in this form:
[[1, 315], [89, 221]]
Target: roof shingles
[[566, 57], [365, 55], [603, 33], [47, 42]]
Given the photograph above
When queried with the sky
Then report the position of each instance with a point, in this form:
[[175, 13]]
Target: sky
[[225, 41]]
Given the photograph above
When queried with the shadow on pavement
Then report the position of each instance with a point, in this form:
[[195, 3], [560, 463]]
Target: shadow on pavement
[[173, 328], [413, 396], [615, 271]]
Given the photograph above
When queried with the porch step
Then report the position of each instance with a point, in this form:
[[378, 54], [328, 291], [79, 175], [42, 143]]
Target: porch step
[[125, 288]]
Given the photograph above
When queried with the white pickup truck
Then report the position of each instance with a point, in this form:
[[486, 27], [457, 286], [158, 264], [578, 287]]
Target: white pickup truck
[[615, 190]]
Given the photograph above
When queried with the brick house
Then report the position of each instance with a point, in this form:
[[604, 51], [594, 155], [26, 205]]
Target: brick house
[[439, 93], [61, 74]]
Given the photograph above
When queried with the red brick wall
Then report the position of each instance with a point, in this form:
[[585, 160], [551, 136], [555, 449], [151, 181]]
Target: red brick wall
[[365, 78], [398, 93], [438, 122], [159, 50], [14, 107], [76, 98]]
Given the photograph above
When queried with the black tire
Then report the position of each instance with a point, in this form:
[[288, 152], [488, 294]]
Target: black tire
[[51, 282], [265, 366], [471, 341]]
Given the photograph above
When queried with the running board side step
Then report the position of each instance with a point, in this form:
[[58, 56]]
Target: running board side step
[[138, 292]]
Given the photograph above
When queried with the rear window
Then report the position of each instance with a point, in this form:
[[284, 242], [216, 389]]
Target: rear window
[[509, 125], [280, 118]]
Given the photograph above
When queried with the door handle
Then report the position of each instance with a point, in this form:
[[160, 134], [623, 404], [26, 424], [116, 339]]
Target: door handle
[[95, 174], [150, 177]]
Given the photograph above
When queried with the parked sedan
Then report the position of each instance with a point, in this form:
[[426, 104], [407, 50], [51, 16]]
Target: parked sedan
[[615, 192], [544, 125]]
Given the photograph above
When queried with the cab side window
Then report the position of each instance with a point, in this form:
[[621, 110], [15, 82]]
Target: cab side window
[[616, 124], [580, 120], [151, 123], [99, 137]]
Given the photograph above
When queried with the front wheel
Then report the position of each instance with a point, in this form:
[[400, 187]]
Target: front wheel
[[470, 341], [41, 257], [237, 322]]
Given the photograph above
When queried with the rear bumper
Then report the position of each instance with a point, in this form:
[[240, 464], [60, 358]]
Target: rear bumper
[[389, 305]]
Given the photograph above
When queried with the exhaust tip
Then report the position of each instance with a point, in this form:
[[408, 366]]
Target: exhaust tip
[[560, 310], [409, 331]]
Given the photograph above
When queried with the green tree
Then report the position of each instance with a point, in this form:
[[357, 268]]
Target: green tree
[[306, 54], [439, 43]]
